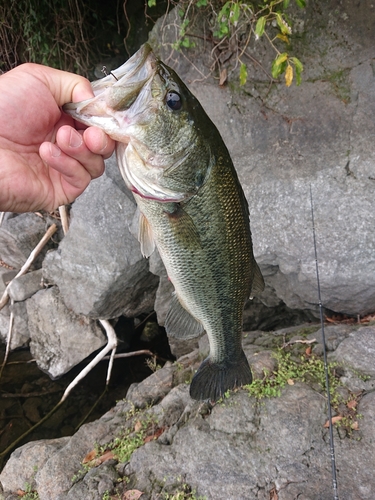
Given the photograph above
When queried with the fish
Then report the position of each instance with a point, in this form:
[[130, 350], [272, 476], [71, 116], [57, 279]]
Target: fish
[[192, 208]]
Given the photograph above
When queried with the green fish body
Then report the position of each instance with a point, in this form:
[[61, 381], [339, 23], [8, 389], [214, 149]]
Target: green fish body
[[192, 207]]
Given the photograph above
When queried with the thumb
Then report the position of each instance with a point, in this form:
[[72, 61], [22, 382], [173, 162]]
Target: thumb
[[64, 86]]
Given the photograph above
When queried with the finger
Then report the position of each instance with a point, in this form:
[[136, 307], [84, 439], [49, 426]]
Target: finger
[[70, 169], [99, 142], [71, 142], [65, 87]]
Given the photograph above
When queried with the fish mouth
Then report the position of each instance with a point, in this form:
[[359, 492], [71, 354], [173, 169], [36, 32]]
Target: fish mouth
[[115, 93]]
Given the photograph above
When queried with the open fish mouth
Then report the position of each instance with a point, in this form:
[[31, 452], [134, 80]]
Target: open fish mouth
[[123, 89]]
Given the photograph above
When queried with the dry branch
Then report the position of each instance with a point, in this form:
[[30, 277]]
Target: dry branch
[[33, 255]]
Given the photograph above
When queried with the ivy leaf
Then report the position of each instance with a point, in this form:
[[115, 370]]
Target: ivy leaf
[[259, 28], [288, 75], [243, 74], [151, 3]]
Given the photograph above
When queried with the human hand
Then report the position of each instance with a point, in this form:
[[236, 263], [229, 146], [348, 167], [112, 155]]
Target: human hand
[[45, 160]]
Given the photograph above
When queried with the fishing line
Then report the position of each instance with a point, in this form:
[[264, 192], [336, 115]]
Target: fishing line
[[331, 444]]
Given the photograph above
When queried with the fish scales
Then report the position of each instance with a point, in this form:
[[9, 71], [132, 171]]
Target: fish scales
[[193, 209]]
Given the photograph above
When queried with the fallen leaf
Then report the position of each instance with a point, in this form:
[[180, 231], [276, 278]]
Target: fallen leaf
[[132, 495], [93, 459], [138, 426], [156, 434], [223, 76], [308, 351], [90, 456], [352, 404], [355, 426], [103, 458], [290, 381], [334, 420], [273, 494], [21, 493]]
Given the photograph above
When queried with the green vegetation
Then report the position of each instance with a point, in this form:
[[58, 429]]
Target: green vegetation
[[65, 35], [231, 25], [290, 370], [140, 427], [308, 368], [29, 493], [182, 491], [184, 494]]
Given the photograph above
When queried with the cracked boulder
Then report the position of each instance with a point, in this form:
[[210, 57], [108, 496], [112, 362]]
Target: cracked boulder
[[98, 266]]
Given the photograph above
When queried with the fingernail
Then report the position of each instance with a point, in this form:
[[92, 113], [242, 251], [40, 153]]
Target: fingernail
[[54, 150], [75, 139]]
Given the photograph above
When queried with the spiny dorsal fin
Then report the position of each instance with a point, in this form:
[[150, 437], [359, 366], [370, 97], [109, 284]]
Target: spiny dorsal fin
[[145, 236], [258, 282], [180, 324]]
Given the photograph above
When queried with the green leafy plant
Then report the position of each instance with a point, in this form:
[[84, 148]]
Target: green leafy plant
[[289, 370], [308, 369], [232, 25]]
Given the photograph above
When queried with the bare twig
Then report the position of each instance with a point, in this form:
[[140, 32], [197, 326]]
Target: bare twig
[[145, 352], [33, 255], [9, 338], [64, 218], [111, 346], [286, 344], [9, 395]]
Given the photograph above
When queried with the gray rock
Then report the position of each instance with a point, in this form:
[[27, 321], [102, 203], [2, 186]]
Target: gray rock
[[152, 389], [60, 339], [33, 457], [236, 449], [19, 236], [358, 351], [94, 485], [98, 267], [25, 286], [6, 275], [20, 331]]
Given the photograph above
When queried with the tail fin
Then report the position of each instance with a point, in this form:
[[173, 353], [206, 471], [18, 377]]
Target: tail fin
[[212, 380]]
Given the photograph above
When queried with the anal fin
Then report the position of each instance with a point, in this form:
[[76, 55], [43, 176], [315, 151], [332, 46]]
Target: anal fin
[[180, 324]]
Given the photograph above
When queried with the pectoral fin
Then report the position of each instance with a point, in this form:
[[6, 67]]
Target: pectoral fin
[[145, 236], [180, 324], [182, 225]]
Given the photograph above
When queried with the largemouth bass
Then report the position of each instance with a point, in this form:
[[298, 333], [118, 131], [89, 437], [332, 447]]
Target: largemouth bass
[[192, 207]]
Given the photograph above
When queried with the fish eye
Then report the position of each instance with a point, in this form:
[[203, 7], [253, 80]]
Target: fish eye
[[173, 101]]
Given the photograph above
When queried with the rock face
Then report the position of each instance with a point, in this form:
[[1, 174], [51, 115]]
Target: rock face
[[284, 140], [51, 325], [237, 449]]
